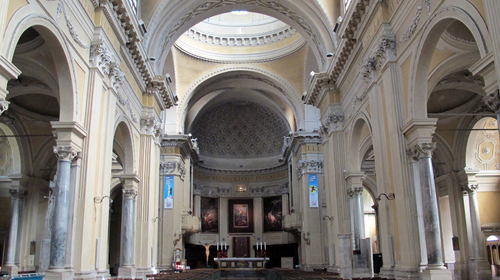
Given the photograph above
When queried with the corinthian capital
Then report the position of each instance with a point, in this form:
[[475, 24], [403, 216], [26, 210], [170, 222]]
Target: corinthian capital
[[421, 150], [470, 188], [4, 105], [492, 100], [66, 153], [130, 193], [354, 191]]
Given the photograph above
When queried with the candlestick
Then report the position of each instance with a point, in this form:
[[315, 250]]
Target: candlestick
[[264, 245], [217, 246]]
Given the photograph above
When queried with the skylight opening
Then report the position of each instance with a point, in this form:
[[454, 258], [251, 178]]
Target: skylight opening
[[239, 12], [492, 238]]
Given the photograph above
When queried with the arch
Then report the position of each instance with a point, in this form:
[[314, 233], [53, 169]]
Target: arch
[[55, 39], [356, 139], [123, 144], [438, 21], [171, 20], [15, 150], [289, 95]]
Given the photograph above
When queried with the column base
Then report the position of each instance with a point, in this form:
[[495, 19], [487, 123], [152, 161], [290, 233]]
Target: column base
[[11, 269], [59, 274], [142, 272], [126, 272], [479, 270], [436, 274]]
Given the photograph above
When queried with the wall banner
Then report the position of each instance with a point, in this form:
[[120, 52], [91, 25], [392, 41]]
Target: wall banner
[[313, 191], [168, 202]]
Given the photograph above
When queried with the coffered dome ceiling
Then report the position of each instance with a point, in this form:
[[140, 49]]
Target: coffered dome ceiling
[[247, 133]]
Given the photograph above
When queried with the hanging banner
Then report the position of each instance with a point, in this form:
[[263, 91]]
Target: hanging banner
[[168, 202], [313, 191]]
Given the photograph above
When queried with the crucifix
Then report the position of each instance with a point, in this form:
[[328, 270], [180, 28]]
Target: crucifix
[[207, 249]]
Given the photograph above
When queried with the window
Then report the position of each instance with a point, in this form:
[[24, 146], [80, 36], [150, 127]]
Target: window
[[133, 3], [347, 3]]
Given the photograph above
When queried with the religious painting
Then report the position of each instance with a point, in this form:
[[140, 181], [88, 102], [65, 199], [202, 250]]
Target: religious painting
[[273, 213], [240, 215], [209, 214]]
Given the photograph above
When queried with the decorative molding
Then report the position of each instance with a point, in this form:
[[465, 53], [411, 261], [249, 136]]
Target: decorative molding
[[100, 57], [333, 122], [223, 192], [150, 125], [61, 7], [205, 191], [130, 193], [221, 58], [413, 26], [492, 100], [421, 150], [173, 168], [257, 191], [4, 105], [470, 188], [17, 194], [241, 41], [66, 153], [116, 75], [386, 48], [276, 6], [308, 166], [354, 191]]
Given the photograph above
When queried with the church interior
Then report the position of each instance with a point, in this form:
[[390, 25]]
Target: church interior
[[354, 137]]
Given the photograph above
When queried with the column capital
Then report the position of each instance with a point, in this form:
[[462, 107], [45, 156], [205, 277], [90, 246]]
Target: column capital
[[419, 131], [129, 181], [69, 134], [470, 188], [19, 194], [309, 166], [66, 153], [354, 191], [421, 150], [492, 100], [130, 193]]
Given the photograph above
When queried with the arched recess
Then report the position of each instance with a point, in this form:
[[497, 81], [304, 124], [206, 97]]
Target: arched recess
[[360, 132], [115, 225], [123, 146], [483, 151], [268, 85], [54, 37], [171, 20], [430, 35]]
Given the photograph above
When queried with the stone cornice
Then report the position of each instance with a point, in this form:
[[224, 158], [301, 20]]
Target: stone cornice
[[127, 30], [214, 171], [214, 57], [297, 139], [185, 142], [320, 83], [355, 20], [241, 41]]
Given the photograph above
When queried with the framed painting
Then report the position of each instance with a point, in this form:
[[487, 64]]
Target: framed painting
[[240, 215], [273, 213], [209, 214]]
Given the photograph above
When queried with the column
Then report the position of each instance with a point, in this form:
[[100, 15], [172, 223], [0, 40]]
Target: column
[[10, 265], [479, 268], [423, 153], [355, 192], [127, 267], [65, 155]]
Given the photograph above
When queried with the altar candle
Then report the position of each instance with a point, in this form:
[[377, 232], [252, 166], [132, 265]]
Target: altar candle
[[225, 246], [264, 245], [217, 246]]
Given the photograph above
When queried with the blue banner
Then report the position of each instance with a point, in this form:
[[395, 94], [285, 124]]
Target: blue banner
[[168, 202], [313, 190]]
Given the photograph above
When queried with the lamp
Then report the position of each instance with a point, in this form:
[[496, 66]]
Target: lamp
[[99, 200], [390, 196]]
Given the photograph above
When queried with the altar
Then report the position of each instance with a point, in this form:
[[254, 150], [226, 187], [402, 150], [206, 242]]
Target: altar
[[241, 263]]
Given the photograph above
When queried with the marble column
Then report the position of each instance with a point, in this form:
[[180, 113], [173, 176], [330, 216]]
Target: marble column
[[10, 265], [479, 268], [423, 153], [355, 192], [59, 227], [127, 267]]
